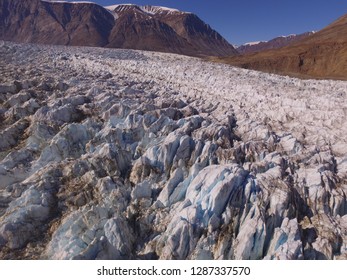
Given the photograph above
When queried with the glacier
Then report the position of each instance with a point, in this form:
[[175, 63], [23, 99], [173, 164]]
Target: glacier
[[123, 154]]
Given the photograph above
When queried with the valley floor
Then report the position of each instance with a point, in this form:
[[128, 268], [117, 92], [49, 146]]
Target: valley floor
[[121, 154]]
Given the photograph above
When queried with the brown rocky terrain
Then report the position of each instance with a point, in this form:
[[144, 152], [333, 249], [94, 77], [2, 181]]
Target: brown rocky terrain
[[163, 29], [322, 55], [121, 26], [55, 23]]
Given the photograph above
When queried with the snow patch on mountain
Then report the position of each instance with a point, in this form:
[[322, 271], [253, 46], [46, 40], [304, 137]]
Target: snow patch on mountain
[[150, 10], [253, 43], [159, 9]]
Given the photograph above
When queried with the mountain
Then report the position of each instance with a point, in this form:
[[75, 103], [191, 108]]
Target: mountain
[[119, 26], [321, 55], [55, 23], [275, 43], [160, 29]]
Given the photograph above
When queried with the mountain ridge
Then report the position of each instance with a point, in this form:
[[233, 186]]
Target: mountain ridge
[[127, 26], [275, 43], [322, 55]]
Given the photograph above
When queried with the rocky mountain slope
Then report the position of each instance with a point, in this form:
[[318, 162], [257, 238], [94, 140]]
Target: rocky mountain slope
[[120, 26], [162, 29], [321, 55], [276, 43], [121, 154]]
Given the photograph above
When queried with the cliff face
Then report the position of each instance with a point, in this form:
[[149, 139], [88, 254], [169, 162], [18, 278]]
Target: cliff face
[[122, 26], [55, 23], [197, 33], [321, 55]]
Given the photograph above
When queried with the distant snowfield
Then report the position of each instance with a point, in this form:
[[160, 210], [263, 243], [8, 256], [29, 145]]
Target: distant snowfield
[[254, 43], [129, 154]]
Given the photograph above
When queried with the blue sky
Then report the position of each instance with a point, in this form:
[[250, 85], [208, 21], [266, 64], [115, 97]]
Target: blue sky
[[244, 21]]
